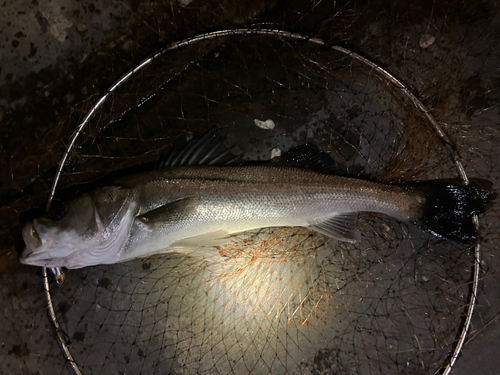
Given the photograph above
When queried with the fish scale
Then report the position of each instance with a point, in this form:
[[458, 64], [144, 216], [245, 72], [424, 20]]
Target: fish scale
[[185, 208]]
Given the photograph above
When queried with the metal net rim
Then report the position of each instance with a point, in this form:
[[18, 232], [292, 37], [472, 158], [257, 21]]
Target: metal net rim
[[432, 123]]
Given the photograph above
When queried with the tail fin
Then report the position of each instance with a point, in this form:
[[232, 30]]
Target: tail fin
[[448, 210]]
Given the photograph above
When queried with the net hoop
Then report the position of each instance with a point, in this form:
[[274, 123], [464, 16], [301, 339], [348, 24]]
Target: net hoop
[[376, 69]]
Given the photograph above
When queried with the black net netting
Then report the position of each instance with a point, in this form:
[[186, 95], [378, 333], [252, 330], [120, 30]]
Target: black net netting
[[276, 300]]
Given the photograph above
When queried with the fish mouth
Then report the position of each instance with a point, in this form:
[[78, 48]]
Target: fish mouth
[[36, 260], [40, 258], [41, 251], [33, 254]]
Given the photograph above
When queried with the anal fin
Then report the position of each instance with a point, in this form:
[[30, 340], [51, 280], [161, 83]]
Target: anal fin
[[341, 227]]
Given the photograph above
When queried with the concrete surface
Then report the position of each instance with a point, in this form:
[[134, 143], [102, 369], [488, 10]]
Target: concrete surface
[[56, 57]]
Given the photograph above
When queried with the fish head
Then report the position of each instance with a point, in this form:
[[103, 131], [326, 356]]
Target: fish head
[[79, 233], [54, 240]]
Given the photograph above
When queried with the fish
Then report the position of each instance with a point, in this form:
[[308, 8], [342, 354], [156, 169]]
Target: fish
[[191, 201]]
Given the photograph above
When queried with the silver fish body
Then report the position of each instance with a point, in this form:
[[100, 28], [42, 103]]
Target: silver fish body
[[166, 210]]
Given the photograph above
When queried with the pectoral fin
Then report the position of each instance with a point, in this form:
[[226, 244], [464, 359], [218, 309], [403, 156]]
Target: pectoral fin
[[170, 212], [341, 227]]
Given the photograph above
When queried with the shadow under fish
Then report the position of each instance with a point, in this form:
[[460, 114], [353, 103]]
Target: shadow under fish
[[201, 194]]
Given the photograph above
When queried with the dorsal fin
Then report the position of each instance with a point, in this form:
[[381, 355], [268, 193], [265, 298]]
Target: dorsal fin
[[307, 156], [208, 149]]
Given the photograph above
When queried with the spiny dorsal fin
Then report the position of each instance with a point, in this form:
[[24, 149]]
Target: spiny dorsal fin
[[208, 149], [341, 227]]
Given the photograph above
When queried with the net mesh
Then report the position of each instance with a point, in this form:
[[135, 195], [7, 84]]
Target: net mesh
[[279, 300]]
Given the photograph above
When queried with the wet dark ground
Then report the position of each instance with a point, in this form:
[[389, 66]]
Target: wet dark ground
[[57, 57]]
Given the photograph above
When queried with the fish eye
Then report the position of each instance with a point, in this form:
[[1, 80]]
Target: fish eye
[[57, 212]]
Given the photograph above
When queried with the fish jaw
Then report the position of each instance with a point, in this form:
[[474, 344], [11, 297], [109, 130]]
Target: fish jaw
[[42, 260], [38, 252]]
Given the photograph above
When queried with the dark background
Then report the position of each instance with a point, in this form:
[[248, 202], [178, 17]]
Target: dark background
[[56, 57]]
